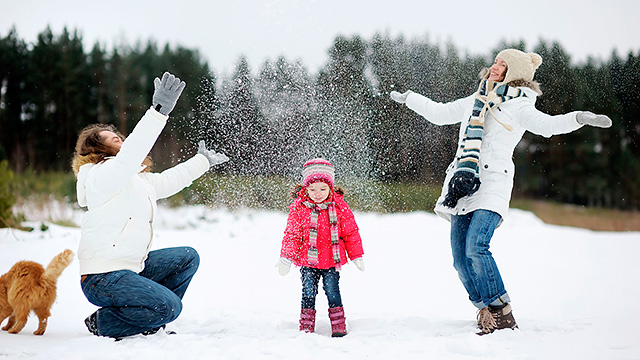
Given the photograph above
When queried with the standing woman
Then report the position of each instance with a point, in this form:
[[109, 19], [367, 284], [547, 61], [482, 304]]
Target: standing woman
[[478, 183], [137, 290]]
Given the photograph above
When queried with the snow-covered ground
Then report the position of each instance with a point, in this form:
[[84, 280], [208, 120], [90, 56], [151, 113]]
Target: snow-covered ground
[[575, 294]]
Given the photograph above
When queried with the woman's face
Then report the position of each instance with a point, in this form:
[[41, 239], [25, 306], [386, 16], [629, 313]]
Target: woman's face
[[498, 70], [318, 191], [111, 139]]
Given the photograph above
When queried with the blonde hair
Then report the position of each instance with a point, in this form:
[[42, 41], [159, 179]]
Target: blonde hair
[[91, 149]]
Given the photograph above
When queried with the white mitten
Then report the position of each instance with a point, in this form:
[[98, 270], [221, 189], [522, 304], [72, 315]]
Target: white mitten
[[400, 98], [359, 262], [283, 265], [589, 118]]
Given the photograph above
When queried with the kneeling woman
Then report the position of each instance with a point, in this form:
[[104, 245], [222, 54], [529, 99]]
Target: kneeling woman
[[137, 290]]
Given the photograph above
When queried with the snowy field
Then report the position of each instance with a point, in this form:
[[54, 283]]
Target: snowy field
[[575, 294]]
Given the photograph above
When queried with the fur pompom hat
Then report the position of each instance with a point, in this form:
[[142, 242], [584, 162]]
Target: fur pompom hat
[[520, 65], [317, 170]]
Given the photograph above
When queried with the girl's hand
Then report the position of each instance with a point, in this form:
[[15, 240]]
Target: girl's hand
[[359, 262], [283, 265]]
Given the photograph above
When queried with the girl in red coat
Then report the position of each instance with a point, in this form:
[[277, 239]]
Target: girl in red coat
[[321, 232]]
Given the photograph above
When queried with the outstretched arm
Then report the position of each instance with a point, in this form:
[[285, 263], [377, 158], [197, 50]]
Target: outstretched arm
[[546, 125], [589, 118], [172, 180], [435, 112], [182, 175]]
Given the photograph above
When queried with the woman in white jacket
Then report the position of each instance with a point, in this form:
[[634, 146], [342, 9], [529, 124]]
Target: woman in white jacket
[[137, 290], [478, 183]]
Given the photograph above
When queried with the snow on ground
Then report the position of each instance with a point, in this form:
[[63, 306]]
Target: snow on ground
[[575, 294]]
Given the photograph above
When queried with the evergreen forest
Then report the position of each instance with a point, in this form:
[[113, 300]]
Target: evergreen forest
[[271, 119]]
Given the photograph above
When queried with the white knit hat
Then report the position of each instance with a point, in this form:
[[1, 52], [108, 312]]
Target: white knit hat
[[520, 65], [317, 170]]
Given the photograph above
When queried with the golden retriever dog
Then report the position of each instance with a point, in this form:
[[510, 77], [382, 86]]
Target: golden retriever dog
[[28, 286]]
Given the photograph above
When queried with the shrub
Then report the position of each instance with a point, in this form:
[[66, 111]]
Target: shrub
[[7, 199]]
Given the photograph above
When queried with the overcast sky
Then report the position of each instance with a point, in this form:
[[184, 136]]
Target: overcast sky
[[223, 30]]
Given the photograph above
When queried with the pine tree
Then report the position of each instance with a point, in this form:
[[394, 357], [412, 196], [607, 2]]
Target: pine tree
[[241, 128], [14, 98], [343, 128], [288, 102]]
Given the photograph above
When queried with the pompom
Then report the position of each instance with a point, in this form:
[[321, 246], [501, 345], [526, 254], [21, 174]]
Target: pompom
[[535, 59]]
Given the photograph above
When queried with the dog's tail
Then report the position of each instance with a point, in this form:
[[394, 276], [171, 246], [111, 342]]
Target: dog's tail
[[58, 264]]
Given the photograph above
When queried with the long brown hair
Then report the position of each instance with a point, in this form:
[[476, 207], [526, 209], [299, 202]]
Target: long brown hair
[[91, 149]]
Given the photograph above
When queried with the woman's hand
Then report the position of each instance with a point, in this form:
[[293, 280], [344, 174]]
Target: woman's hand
[[400, 98], [589, 118], [166, 93], [213, 157]]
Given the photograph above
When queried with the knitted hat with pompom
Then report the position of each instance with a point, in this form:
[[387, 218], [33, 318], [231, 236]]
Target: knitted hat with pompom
[[520, 65], [317, 170]]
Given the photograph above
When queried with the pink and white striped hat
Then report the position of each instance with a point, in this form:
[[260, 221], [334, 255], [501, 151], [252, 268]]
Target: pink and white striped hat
[[316, 170]]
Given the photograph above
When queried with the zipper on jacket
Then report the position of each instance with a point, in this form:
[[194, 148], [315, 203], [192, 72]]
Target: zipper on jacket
[[150, 231]]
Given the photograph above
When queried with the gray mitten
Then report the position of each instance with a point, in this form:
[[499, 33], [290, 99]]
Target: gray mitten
[[213, 157], [166, 94], [589, 118], [400, 98]]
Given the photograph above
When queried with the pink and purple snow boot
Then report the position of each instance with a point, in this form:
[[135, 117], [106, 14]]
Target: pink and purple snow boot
[[338, 324], [308, 320]]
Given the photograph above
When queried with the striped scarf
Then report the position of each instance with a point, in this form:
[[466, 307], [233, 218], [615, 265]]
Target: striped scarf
[[312, 254], [466, 179]]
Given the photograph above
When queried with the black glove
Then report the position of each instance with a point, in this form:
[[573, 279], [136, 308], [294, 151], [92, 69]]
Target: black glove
[[463, 183]]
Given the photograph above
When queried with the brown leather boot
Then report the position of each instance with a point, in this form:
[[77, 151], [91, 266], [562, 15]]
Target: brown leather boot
[[492, 319]]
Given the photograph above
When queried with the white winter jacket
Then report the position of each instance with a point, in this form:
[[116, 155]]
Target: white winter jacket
[[117, 229], [498, 143]]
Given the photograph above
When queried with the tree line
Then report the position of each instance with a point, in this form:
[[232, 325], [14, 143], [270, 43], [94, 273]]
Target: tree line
[[270, 121]]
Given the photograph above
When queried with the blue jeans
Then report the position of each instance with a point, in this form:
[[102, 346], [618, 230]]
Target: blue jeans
[[330, 283], [133, 303], [470, 237]]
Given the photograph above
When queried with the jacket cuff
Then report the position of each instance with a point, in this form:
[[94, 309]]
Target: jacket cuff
[[574, 116], [156, 115]]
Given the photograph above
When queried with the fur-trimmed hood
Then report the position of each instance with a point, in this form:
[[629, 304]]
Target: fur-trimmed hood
[[80, 160], [533, 85]]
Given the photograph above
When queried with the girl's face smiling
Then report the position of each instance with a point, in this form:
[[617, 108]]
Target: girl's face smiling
[[318, 191]]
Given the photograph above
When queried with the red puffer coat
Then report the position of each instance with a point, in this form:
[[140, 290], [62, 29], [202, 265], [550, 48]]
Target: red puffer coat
[[295, 243]]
